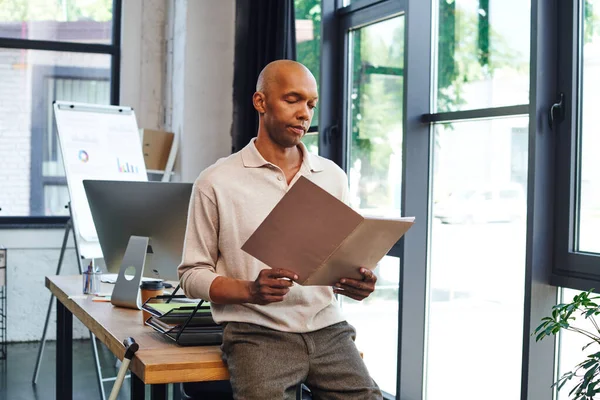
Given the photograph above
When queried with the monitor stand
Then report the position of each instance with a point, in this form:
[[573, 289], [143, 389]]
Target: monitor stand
[[127, 290]]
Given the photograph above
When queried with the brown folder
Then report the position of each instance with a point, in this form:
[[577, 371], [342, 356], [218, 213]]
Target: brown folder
[[321, 239]]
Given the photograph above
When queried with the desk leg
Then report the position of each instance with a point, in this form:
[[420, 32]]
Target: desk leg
[[176, 391], [158, 392], [64, 352], [138, 389]]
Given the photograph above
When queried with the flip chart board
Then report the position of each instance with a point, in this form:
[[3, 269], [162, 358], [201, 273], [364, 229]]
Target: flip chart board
[[97, 142]]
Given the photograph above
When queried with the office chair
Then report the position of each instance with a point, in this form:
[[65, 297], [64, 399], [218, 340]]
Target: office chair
[[216, 390], [302, 392]]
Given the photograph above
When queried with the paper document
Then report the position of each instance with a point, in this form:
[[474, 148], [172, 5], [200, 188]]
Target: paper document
[[167, 307], [321, 239]]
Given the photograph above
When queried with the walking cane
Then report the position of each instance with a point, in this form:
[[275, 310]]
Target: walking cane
[[130, 348]]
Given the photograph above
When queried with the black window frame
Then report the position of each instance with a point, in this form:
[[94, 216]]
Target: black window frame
[[113, 50], [539, 295], [573, 269], [333, 144]]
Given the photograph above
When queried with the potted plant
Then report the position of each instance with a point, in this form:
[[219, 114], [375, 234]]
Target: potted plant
[[587, 372]]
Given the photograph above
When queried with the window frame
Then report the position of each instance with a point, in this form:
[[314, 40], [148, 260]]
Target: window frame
[[573, 269], [333, 144], [114, 50], [419, 121]]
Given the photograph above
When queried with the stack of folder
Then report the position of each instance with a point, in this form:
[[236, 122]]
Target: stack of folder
[[187, 323]]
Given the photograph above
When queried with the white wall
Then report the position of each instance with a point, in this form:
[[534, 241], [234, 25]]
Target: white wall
[[195, 96], [143, 60], [202, 89], [32, 255]]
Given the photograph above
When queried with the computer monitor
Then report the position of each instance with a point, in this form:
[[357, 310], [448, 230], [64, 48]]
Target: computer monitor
[[124, 210]]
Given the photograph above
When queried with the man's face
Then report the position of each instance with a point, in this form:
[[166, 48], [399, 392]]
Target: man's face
[[289, 107]]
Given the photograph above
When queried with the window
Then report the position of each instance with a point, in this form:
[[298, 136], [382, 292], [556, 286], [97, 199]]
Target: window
[[588, 162], [578, 188], [483, 54], [74, 57], [374, 154], [308, 52], [571, 346], [501, 200], [477, 244], [87, 21], [477, 261]]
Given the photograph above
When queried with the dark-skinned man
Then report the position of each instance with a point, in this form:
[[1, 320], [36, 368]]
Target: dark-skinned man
[[276, 333]]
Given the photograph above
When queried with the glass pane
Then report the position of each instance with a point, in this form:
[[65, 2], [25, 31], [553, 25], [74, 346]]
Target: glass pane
[[308, 48], [477, 268], [375, 126], [311, 141], [377, 317], [30, 161], [55, 198], [375, 174], [571, 344], [589, 183], [483, 54], [87, 21]]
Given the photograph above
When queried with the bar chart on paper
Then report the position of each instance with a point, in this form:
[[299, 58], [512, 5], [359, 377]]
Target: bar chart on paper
[[127, 167]]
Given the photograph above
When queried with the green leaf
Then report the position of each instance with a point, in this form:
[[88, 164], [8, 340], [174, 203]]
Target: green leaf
[[562, 383], [588, 345], [588, 364], [539, 328]]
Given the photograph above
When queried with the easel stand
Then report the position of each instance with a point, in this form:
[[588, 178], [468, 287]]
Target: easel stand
[[69, 228]]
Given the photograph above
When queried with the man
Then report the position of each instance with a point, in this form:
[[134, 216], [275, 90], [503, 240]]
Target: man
[[276, 333]]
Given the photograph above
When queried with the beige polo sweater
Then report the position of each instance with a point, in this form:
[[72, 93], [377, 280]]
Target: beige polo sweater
[[229, 201]]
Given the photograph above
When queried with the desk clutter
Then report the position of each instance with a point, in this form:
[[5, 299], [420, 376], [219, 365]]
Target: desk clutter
[[188, 323], [91, 279]]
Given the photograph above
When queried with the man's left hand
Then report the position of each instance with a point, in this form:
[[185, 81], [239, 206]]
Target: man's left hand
[[357, 290]]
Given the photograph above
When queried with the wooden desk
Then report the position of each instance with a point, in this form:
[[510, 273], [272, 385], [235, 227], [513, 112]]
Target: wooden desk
[[158, 361]]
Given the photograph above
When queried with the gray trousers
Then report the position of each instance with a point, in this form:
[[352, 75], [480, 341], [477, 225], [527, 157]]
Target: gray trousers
[[266, 364]]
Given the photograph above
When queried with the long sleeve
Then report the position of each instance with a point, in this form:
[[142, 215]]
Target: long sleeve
[[197, 270], [229, 201]]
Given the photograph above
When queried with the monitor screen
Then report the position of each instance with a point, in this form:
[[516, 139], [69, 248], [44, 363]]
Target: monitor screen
[[157, 210]]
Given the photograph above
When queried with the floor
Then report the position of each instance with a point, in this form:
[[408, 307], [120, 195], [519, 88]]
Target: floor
[[16, 372]]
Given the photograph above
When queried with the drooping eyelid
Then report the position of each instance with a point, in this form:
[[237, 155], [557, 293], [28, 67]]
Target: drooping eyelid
[[300, 96], [292, 96]]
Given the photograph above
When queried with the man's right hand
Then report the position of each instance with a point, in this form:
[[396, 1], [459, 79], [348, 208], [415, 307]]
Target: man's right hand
[[271, 286]]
